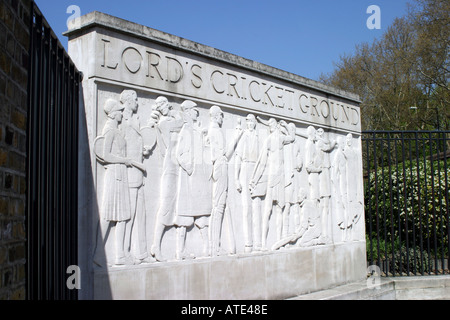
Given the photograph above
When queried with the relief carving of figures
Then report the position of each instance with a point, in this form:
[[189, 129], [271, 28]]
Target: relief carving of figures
[[220, 155], [314, 165], [193, 188], [135, 150], [345, 182], [247, 153], [168, 124], [310, 229], [115, 206], [270, 166], [194, 194]]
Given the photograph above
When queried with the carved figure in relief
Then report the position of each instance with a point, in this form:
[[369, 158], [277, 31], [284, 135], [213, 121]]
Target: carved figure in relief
[[247, 153], [310, 230], [270, 166], [293, 164], [312, 164], [115, 204], [194, 193], [324, 148], [168, 124], [135, 150], [355, 205], [339, 181], [220, 155]]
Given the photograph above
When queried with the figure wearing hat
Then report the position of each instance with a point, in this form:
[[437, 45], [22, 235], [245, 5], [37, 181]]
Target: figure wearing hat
[[324, 148], [194, 203], [168, 124], [221, 153], [115, 203], [247, 153], [135, 150]]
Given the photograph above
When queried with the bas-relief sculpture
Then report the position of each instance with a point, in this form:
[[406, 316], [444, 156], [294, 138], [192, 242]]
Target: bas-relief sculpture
[[204, 165], [300, 178]]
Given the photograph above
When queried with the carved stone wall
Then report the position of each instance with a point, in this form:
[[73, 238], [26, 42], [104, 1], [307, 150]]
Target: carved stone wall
[[201, 167]]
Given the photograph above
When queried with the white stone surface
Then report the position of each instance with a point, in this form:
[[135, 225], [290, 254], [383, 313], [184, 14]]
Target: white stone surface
[[397, 288], [262, 276], [214, 176]]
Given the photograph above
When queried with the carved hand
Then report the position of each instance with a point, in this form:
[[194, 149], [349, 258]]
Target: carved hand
[[313, 170], [154, 118], [146, 151], [128, 162], [252, 186], [238, 186]]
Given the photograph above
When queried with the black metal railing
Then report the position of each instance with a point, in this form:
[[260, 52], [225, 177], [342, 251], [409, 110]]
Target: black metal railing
[[406, 179], [52, 164]]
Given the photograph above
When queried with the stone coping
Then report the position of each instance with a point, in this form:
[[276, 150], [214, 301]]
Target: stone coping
[[99, 19]]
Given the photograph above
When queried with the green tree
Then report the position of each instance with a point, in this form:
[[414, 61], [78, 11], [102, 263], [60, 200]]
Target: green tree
[[403, 77]]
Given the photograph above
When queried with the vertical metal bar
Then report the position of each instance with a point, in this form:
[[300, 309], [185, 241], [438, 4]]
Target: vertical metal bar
[[383, 169], [59, 143], [54, 160], [384, 207], [441, 221], [32, 126], [419, 204], [389, 152], [64, 164], [376, 198], [433, 201], [368, 192], [55, 173], [47, 181], [426, 204], [41, 186], [405, 199], [411, 205], [75, 137], [398, 201], [70, 159], [447, 204]]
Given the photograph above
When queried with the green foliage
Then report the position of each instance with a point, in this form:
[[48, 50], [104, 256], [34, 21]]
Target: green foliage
[[403, 77], [405, 260], [407, 205]]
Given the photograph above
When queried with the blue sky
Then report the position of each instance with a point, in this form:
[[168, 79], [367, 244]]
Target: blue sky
[[301, 37]]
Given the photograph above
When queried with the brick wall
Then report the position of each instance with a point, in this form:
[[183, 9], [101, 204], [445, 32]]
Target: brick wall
[[14, 43]]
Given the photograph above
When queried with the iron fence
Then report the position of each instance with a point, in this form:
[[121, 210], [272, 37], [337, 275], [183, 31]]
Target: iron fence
[[406, 178], [53, 93]]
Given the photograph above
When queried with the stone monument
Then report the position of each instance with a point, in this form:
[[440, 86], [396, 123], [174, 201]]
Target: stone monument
[[208, 176]]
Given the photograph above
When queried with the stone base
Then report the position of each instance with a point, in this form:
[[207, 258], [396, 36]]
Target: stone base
[[263, 276], [398, 288]]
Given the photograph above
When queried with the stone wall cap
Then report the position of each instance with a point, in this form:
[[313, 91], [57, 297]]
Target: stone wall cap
[[103, 20]]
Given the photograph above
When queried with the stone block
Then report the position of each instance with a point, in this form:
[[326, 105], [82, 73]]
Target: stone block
[[226, 178]]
